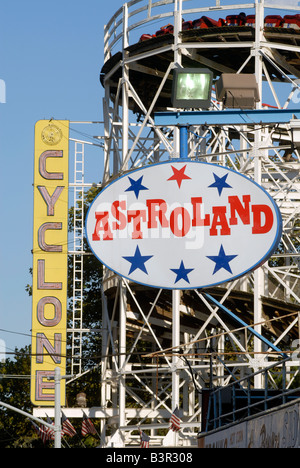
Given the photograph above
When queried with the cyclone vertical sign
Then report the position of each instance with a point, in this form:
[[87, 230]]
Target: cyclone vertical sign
[[50, 259], [183, 225]]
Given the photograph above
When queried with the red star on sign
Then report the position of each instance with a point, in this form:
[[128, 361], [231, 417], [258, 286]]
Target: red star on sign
[[179, 175]]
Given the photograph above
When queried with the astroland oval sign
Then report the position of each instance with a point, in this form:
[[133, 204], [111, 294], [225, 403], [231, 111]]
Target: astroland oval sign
[[183, 225]]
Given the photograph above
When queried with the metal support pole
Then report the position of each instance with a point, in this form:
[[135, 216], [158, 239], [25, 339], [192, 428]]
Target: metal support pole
[[175, 359], [123, 294], [125, 93], [175, 343], [57, 413], [177, 29], [183, 142], [122, 357], [26, 415], [258, 274], [104, 363]]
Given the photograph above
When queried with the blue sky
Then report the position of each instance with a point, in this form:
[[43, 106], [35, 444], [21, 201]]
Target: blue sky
[[51, 54]]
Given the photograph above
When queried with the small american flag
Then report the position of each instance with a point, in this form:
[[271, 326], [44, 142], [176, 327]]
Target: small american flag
[[145, 440], [50, 432], [175, 421], [67, 427], [43, 432], [87, 426]]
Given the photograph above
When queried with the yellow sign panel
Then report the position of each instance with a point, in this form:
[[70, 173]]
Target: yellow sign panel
[[50, 259]]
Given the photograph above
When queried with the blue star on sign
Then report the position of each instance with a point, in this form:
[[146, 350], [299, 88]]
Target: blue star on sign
[[182, 272], [220, 183], [138, 261], [136, 186], [222, 261]]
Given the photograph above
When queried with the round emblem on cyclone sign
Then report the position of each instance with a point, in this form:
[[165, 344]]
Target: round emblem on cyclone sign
[[183, 225], [51, 135]]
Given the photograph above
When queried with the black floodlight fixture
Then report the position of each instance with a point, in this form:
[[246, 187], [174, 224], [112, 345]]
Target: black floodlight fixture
[[192, 88], [237, 91]]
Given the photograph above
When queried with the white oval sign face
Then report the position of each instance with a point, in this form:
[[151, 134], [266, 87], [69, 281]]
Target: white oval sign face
[[183, 225]]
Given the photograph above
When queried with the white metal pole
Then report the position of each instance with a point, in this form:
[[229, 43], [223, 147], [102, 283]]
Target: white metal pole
[[258, 274], [177, 29], [259, 36], [122, 357], [175, 343], [176, 293], [125, 98], [57, 412], [26, 415], [104, 364], [123, 293]]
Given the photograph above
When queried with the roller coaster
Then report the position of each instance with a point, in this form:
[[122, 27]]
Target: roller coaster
[[164, 349], [138, 78]]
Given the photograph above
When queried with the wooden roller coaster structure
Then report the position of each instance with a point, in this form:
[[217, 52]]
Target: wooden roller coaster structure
[[142, 384]]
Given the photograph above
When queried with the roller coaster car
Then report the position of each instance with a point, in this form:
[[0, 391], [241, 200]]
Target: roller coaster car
[[291, 21], [205, 22], [187, 25], [146, 37], [273, 21], [250, 21], [236, 20], [168, 29]]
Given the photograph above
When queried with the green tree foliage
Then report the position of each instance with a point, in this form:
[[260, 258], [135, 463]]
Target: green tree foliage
[[15, 429]]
